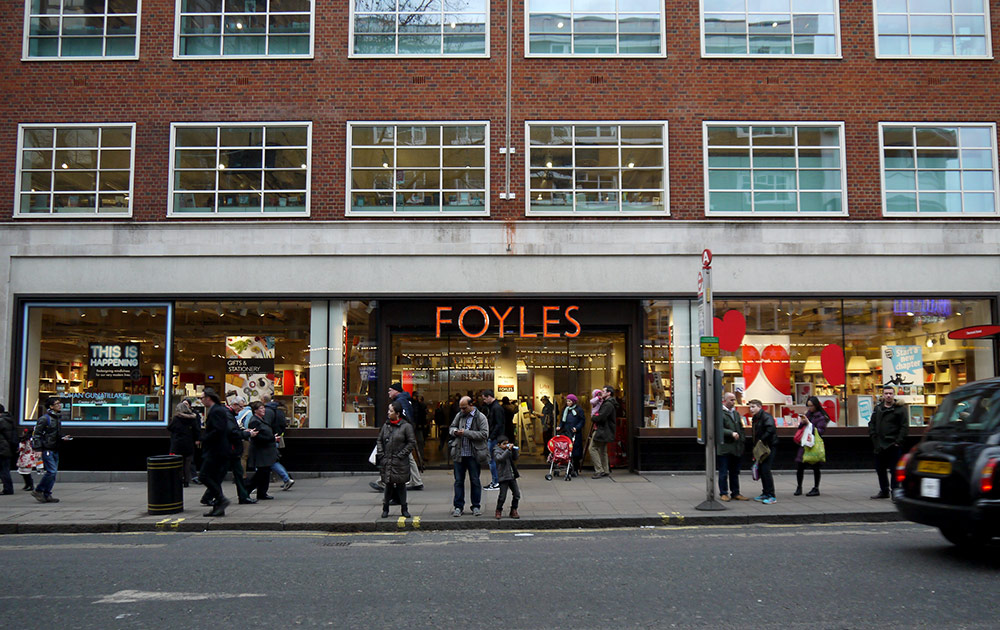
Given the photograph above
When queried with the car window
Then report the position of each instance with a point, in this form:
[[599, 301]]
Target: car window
[[975, 410]]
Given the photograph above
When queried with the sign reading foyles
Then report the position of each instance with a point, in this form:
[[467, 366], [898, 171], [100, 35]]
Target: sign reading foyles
[[113, 360], [552, 323]]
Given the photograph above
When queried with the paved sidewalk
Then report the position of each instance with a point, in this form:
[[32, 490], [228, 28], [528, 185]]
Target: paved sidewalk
[[347, 504]]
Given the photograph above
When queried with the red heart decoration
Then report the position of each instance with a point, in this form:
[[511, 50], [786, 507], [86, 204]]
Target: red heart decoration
[[777, 368], [751, 364], [730, 330], [830, 407], [832, 360]]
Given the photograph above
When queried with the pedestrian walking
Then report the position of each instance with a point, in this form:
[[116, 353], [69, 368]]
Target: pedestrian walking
[[8, 447], [496, 416], [729, 451], [817, 418], [215, 452], [28, 460], [263, 451], [47, 437], [572, 426], [276, 417], [603, 432], [469, 431], [396, 439], [888, 428], [505, 454], [765, 433], [185, 436]]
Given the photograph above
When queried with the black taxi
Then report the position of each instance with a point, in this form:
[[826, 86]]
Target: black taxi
[[951, 478]]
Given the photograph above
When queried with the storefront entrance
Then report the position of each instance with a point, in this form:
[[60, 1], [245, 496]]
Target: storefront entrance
[[564, 354]]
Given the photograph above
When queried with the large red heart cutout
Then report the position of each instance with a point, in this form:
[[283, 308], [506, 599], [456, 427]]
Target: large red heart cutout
[[730, 330], [832, 360], [751, 364], [777, 368]]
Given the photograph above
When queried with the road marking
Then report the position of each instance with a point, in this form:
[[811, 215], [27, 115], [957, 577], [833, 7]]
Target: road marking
[[401, 522], [80, 546], [416, 522], [131, 597]]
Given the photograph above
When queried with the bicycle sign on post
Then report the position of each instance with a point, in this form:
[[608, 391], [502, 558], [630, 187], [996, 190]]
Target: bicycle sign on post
[[710, 382]]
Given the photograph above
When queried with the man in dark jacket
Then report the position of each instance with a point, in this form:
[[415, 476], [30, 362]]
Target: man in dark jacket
[[497, 418], [548, 423], [888, 428], [274, 416], [603, 432], [766, 432], [48, 430], [8, 449], [730, 450], [222, 446]]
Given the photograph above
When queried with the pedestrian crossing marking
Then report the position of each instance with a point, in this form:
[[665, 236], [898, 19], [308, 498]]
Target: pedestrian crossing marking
[[401, 522], [416, 522]]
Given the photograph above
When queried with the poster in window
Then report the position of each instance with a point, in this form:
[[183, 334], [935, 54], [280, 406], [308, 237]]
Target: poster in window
[[249, 368], [767, 368], [903, 368]]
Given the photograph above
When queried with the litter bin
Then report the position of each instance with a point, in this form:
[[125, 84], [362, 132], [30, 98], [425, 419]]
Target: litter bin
[[164, 488]]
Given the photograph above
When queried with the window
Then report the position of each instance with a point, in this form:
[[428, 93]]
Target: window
[[939, 168], [598, 169], [244, 28], [74, 169], [242, 168], [81, 29], [420, 28], [418, 168], [932, 28], [771, 27], [774, 168], [595, 27]]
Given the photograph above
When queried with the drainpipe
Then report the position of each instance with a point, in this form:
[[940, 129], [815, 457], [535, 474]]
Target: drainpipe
[[508, 149]]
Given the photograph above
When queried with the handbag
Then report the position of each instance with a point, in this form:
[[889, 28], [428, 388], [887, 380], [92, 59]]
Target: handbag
[[761, 451], [815, 454], [371, 458], [755, 472], [280, 441]]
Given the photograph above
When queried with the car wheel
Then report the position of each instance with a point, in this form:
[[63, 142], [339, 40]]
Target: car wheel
[[962, 538]]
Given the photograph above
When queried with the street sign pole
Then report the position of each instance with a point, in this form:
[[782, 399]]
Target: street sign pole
[[709, 348]]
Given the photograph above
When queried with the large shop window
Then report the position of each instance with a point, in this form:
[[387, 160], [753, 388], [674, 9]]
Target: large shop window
[[244, 349], [79, 29], [844, 351], [240, 169], [360, 361], [107, 362], [939, 169], [598, 28], [768, 28], [244, 28], [418, 169], [75, 169], [597, 169], [932, 28], [775, 169], [420, 28]]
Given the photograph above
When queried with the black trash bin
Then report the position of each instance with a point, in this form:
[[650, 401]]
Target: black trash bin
[[164, 487]]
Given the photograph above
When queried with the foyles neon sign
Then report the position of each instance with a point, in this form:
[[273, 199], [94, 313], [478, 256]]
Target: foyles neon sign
[[556, 321]]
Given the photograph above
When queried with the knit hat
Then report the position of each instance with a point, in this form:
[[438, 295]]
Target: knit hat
[[398, 387], [572, 397]]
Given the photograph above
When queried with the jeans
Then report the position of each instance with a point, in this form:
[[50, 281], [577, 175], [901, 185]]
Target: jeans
[[515, 494], [491, 444], [470, 464], [766, 478], [885, 462], [51, 461], [8, 483], [729, 474], [279, 470]]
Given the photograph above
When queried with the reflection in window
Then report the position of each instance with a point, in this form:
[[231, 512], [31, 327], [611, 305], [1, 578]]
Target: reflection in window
[[360, 360], [597, 168], [241, 169], [932, 28], [419, 27], [245, 28], [595, 28], [75, 169], [771, 27], [419, 168], [930, 169], [82, 29], [775, 169]]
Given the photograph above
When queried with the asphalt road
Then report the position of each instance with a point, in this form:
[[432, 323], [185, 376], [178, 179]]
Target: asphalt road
[[893, 575]]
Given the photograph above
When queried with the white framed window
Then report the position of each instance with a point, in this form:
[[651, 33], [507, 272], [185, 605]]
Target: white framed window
[[774, 168], [210, 29], [420, 28], [938, 169], [418, 168], [770, 28], [81, 29], [74, 169], [594, 28], [240, 168], [597, 168], [932, 29]]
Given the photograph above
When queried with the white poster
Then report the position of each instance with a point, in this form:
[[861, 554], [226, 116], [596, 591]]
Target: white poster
[[766, 368], [903, 368], [249, 367]]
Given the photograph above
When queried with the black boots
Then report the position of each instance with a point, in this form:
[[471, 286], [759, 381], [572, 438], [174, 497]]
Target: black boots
[[798, 491], [385, 510], [404, 512], [219, 509]]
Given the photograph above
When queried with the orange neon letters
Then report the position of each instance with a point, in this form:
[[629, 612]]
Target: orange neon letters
[[440, 321], [572, 321], [550, 321], [486, 320]]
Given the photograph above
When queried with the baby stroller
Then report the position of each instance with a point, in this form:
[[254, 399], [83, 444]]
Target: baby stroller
[[560, 453]]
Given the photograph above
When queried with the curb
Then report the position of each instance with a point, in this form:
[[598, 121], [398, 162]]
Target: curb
[[397, 524]]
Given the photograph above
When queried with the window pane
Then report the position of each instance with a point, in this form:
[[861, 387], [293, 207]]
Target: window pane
[[821, 202], [900, 180], [979, 202], [940, 202], [977, 180], [729, 157], [939, 180], [820, 180], [900, 202], [729, 202]]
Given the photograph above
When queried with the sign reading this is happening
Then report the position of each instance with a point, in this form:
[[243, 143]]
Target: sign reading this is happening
[[903, 368], [114, 360]]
